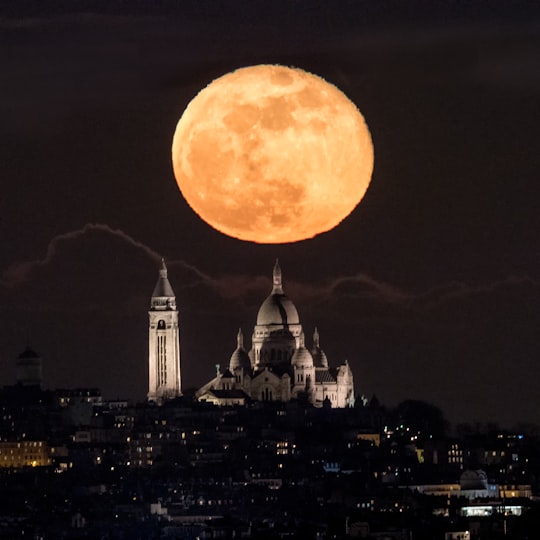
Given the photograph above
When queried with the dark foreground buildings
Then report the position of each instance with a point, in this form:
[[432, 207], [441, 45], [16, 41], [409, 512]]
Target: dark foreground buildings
[[74, 466]]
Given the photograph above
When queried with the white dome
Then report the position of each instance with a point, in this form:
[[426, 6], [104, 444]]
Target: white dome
[[319, 357], [302, 358], [277, 309], [239, 358]]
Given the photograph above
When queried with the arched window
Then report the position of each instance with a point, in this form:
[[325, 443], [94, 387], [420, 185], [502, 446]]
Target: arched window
[[161, 325]]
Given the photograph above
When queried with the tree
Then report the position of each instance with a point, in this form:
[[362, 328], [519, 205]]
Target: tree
[[420, 416]]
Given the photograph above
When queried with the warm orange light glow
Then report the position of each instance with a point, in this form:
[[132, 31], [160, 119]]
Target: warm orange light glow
[[272, 154]]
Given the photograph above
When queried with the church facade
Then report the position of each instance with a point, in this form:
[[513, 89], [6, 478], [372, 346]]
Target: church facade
[[279, 367]]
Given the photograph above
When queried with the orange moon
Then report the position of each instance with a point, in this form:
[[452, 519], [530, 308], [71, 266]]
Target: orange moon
[[272, 154]]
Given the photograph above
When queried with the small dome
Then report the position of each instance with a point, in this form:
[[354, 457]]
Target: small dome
[[319, 358], [470, 479], [302, 358], [239, 358]]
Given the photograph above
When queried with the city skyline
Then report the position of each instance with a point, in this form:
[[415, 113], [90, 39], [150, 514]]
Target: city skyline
[[429, 289]]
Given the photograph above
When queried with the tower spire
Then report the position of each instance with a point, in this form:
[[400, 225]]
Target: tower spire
[[316, 338], [163, 269], [276, 279], [164, 381], [163, 296]]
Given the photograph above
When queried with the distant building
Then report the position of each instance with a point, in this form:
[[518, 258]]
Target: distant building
[[279, 367], [472, 485], [18, 454], [66, 397], [29, 368], [163, 342]]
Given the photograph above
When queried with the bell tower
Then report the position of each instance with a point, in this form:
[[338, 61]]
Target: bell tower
[[163, 342]]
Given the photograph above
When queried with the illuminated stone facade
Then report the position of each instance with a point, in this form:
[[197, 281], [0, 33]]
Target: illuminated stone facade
[[279, 367], [163, 342]]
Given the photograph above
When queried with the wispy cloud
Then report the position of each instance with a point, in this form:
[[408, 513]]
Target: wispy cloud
[[246, 289], [456, 290], [20, 272]]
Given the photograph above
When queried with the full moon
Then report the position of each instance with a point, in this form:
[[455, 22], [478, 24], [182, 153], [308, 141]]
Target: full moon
[[272, 154]]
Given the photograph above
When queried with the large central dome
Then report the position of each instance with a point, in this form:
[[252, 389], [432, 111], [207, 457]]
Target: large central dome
[[277, 308]]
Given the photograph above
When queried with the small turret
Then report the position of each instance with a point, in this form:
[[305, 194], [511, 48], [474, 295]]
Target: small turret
[[319, 356], [240, 339], [276, 279]]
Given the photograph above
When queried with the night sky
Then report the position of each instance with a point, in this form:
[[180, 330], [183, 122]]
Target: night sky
[[430, 288]]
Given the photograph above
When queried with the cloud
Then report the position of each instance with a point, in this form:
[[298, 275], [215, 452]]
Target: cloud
[[97, 268], [20, 272], [82, 251], [364, 285], [456, 290], [364, 288]]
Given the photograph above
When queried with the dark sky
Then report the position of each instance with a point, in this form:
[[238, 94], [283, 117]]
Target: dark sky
[[430, 288]]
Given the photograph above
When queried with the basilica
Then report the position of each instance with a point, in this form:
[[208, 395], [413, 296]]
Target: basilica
[[277, 367]]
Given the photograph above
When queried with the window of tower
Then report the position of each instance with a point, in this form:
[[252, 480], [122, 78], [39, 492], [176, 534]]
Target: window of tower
[[162, 360], [161, 325]]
